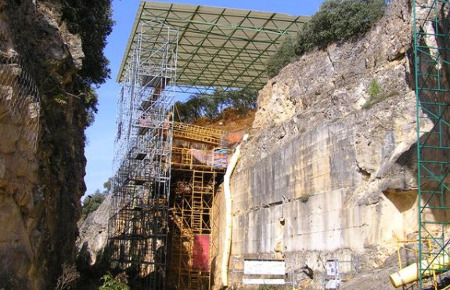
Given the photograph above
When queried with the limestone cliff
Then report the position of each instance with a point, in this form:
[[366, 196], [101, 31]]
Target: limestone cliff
[[94, 231], [329, 172], [42, 145]]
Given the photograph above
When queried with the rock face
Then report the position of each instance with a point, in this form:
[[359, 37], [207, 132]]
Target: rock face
[[41, 149], [19, 191], [328, 172], [94, 231]]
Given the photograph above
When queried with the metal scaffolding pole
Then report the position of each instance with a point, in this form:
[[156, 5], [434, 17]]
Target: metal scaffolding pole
[[432, 85], [138, 225]]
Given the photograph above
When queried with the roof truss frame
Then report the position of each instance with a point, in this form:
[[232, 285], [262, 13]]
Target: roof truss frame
[[217, 47]]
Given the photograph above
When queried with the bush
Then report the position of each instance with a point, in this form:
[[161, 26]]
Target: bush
[[336, 20], [115, 283], [374, 89], [91, 203], [284, 56], [68, 277], [377, 94]]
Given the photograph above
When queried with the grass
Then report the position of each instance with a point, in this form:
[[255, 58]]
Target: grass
[[377, 95]]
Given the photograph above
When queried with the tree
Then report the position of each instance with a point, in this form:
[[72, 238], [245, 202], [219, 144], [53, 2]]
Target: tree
[[91, 203], [93, 21], [107, 185], [284, 55], [68, 277], [213, 105], [336, 20]]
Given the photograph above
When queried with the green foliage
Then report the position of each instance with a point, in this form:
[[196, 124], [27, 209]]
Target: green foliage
[[284, 55], [338, 20], [213, 105], [93, 21], [107, 185], [91, 203], [90, 99], [376, 94], [374, 89], [115, 283]]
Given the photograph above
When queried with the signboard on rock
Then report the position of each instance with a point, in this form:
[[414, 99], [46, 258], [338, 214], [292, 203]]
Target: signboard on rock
[[264, 267]]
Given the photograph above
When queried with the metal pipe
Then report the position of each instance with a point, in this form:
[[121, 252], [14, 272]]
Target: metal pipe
[[410, 273], [228, 206]]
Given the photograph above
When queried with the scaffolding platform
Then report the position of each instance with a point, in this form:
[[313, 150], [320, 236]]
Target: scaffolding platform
[[194, 133], [155, 81]]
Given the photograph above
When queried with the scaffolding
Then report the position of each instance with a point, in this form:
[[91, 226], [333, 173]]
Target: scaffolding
[[191, 215], [161, 188], [206, 160], [196, 175], [432, 79], [407, 255], [138, 224]]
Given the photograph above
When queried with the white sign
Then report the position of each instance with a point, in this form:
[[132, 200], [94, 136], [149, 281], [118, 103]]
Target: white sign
[[263, 281], [261, 267], [332, 267]]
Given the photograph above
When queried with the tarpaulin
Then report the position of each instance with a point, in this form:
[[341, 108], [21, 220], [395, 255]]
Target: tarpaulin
[[201, 253], [217, 158]]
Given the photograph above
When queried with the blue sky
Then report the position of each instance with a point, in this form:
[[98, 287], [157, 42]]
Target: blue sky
[[100, 146]]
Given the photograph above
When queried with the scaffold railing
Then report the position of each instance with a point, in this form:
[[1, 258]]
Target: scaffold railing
[[196, 133], [209, 160], [432, 85]]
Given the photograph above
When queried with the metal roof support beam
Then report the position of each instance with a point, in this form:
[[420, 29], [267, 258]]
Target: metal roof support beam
[[218, 47]]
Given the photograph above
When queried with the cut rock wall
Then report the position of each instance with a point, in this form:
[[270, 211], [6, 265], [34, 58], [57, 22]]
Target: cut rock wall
[[327, 172]]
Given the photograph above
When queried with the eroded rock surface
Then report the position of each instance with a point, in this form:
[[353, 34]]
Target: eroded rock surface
[[41, 145]]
